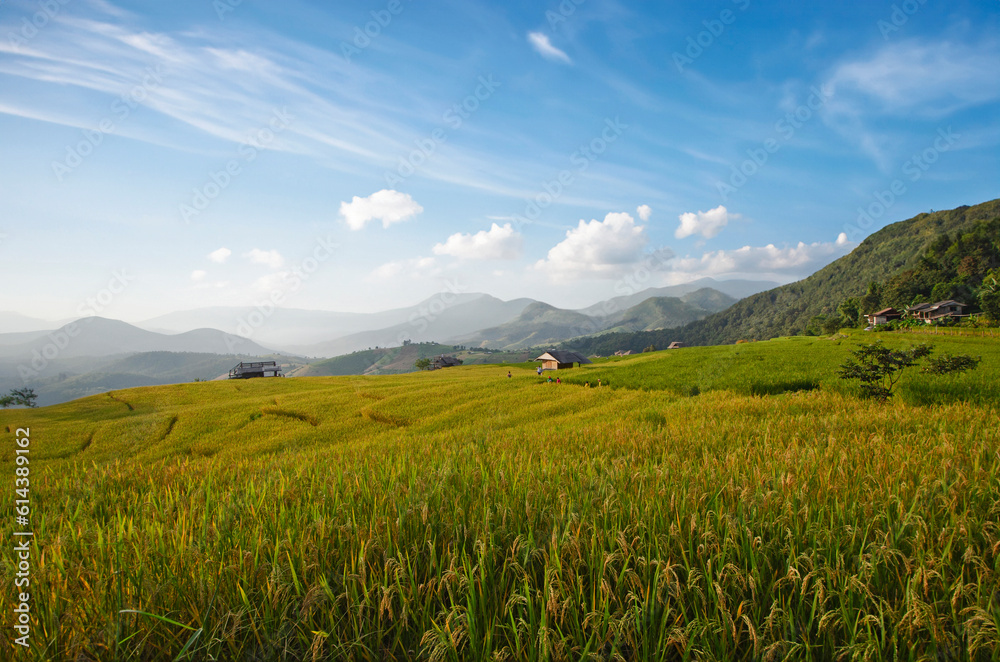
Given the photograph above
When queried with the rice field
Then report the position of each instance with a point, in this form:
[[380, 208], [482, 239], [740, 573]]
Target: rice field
[[462, 515]]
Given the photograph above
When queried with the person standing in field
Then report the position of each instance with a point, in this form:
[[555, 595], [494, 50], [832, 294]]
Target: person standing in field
[[508, 374], [539, 371]]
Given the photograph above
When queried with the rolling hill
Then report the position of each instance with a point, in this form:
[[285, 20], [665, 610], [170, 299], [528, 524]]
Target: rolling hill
[[541, 324]]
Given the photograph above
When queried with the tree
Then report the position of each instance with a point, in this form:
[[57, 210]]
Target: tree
[[651, 348], [872, 300], [422, 364], [989, 295], [850, 311], [25, 397], [879, 368]]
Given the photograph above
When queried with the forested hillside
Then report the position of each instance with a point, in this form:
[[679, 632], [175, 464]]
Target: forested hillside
[[938, 255]]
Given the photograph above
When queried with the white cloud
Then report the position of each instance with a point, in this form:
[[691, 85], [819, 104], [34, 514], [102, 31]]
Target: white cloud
[[415, 268], [706, 223], [540, 42], [497, 243], [932, 79], [799, 260], [198, 275], [386, 205], [645, 212], [275, 282], [602, 248], [220, 255], [271, 258]]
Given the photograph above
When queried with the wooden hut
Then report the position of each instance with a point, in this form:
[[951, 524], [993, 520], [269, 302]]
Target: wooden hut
[[252, 369], [445, 362], [677, 345], [560, 359]]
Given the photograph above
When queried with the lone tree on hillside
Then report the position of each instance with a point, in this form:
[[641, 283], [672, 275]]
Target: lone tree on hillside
[[879, 368], [422, 364], [25, 397]]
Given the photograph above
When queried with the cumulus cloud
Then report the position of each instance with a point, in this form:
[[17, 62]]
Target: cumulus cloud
[[221, 255], [415, 267], [540, 42], [497, 243], [198, 275], [644, 211], [799, 260], [706, 223], [597, 248], [271, 258], [387, 205]]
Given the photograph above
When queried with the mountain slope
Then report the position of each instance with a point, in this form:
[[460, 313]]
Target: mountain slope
[[669, 312], [97, 336], [736, 289], [787, 310]]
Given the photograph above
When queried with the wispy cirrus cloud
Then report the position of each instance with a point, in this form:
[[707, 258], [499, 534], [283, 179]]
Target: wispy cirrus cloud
[[541, 43]]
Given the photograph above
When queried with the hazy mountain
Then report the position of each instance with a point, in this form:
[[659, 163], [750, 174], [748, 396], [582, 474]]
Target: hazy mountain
[[542, 324], [97, 336], [737, 289], [671, 312], [439, 319], [18, 323], [297, 327]]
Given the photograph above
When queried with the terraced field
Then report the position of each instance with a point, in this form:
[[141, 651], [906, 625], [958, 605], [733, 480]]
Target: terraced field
[[729, 503]]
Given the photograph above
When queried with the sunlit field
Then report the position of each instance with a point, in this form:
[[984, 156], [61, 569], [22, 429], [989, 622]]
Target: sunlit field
[[726, 503]]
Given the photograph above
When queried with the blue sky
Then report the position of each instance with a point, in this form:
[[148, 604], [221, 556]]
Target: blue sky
[[362, 156]]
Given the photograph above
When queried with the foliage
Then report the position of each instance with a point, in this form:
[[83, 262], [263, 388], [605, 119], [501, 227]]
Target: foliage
[[422, 364], [943, 365], [26, 397], [879, 368]]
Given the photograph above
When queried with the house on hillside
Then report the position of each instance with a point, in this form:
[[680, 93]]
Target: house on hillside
[[444, 362], [560, 359], [677, 345], [252, 369], [935, 312], [626, 352], [884, 316]]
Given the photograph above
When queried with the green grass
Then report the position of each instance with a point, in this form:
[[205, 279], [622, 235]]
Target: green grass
[[461, 515]]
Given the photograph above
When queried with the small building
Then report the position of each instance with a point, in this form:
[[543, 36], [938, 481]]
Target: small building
[[561, 359], [884, 316], [626, 352], [250, 370], [677, 345], [936, 312], [444, 362]]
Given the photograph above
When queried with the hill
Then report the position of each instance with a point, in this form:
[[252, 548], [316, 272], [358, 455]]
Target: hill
[[541, 324], [893, 251], [399, 360], [98, 336]]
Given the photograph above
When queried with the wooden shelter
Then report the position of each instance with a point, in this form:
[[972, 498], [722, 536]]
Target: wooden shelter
[[884, 316], [934, 312], [677, 345], [249, 370], [560, 359], [444, 362]]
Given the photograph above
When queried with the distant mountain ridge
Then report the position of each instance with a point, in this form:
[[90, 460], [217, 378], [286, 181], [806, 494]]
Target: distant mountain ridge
[[541, 324]]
